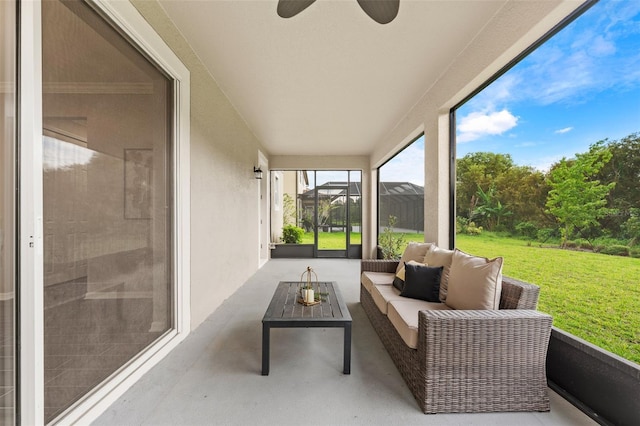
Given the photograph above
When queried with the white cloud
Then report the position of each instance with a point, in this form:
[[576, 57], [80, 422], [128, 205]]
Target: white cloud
[[588, 57], [565, 130], [478, 124], [602, 47]]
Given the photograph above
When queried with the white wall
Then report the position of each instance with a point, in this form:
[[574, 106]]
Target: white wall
[[224, 192]]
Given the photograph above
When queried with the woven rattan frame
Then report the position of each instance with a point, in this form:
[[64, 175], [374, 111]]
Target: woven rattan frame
[[472, 361]]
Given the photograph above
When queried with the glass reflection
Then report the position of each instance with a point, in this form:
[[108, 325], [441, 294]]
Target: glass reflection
[[107, 186]]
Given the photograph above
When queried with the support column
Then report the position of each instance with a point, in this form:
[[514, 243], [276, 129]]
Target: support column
[[369, 213], [437, 190]]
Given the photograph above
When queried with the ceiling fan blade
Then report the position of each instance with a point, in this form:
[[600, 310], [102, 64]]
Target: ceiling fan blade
[[289, 8], [381, 11]]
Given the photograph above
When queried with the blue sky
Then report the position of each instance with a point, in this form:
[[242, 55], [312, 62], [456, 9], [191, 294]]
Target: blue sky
[[581, 86]]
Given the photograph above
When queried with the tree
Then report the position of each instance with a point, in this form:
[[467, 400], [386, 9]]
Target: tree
[[525, 191], [576, 198], [288, 210], [478, 169], [624, 170], [490, 210], [631, 227]]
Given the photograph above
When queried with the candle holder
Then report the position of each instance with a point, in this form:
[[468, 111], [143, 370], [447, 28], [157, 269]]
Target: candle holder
[[307, 292]]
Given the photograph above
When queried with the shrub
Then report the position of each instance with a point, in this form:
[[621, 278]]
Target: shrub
[[391, 243], [634, 252], [570, 244], [292, 234], [545, 234], [584, 244], [616, 250], [527, 229], [472, 229], [465, 226]]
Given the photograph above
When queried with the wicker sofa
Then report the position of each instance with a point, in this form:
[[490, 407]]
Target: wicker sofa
[[466, 360]]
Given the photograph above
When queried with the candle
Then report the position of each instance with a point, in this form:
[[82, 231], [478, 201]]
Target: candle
[[309, 296]]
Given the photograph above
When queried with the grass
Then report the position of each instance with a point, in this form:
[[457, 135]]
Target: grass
[[593, 296], [336, 240], [332, 240]]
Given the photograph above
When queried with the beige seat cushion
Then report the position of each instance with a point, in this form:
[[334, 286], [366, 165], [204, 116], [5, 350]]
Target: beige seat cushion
[[403, 314], [382, 294], [436, 257], [414, 251], [369, 279], [475, 282]]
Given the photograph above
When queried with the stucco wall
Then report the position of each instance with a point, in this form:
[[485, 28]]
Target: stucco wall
[[224, 192]]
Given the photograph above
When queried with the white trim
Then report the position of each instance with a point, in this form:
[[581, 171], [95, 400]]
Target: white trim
[[133, 25], [31, 287], [264, 219]]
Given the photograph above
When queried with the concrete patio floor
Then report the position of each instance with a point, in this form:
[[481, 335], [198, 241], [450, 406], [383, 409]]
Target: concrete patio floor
[[213, 377]]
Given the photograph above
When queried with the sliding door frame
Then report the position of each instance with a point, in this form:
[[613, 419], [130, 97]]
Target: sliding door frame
[[30, 254], [30, 242]]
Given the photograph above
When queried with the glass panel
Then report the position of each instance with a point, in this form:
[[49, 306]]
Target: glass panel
[[401, 194], [7, 209], [332, 209], [355, 208], [546, 159], [107, 186]]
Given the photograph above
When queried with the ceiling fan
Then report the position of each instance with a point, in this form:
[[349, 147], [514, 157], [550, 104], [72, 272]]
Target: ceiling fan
[[381, 11]]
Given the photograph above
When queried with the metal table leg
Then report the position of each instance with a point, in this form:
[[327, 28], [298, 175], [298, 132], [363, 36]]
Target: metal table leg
[[347, 348], [265, 348]]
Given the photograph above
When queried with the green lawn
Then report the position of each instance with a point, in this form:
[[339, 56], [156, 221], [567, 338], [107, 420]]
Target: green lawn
[[332, 240], [336, 240], [593, 296]]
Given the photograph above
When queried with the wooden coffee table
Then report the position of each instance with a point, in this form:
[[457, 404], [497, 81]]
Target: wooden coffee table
[[284, 311]]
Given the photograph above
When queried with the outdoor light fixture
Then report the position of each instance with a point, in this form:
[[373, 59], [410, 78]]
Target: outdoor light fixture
[[257, 172]]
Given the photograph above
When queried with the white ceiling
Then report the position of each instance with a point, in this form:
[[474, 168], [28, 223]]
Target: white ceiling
[[329, 80]]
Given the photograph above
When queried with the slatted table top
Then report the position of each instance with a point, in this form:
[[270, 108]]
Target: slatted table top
[[285, 307]]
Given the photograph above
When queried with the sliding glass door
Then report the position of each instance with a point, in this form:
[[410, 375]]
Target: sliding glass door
[[107, 185], [8, 86]]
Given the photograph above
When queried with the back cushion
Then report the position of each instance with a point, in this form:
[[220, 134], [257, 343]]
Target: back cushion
[[475, 282], [435, 257], [415, 252]]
